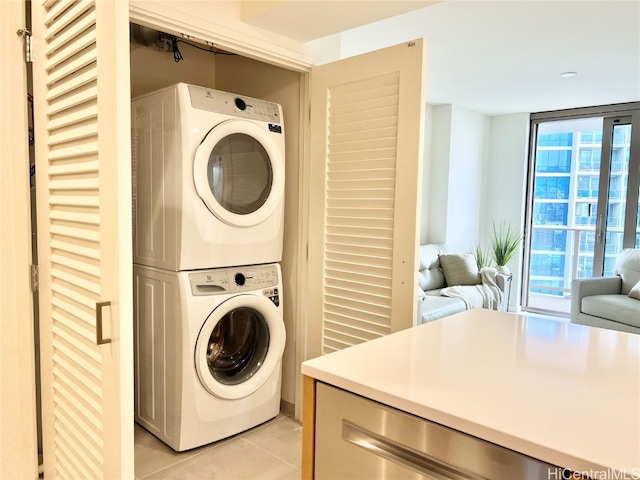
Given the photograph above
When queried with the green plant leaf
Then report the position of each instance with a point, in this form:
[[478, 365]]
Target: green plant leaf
[[504, 242], [483, 257]]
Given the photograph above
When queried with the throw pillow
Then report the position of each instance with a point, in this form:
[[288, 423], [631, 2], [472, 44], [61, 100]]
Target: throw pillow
[[460, 269], [635, 291]]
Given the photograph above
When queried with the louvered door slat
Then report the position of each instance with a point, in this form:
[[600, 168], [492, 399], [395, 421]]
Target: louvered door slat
[[63, 49], [75, 425], [77, 217], [78, 166], [357, 275], [79, 247], [342, 331], [81, 60], [69, 407], [361, 146], [380, 175], [371, 180], [352, 303], [53, 10], [355, 286], [383, 109], [360, 222], [355, 253], [80, 264], [355, 135], [88, 129], [71, 467], [74, 200], [73, 331], [85, 417], [64, 15], [74, 148], [87, 397], [355, 162], [71, 231], [72, 460], [74, 99], [80, 113], [338, 242]]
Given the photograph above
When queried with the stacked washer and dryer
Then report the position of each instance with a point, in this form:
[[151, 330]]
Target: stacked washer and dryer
[[208, 205]]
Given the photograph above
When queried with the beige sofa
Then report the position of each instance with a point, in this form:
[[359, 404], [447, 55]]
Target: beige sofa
[[432, 282], [609, 302]]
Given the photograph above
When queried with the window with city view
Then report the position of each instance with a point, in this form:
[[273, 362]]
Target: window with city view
[[564, 221]]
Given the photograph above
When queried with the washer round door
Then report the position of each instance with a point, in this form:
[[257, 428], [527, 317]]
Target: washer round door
[[239, 173], [239, 346]]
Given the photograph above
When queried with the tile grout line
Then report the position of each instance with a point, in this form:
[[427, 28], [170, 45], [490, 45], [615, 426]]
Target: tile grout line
[[179, 461], [217, 444], [271, 454], [272, 422]]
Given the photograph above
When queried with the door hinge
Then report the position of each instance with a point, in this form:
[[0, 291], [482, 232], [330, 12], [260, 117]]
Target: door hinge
[[34, 278], [28, 45]]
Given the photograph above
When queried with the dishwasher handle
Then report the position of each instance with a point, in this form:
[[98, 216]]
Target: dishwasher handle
[[402, 454]]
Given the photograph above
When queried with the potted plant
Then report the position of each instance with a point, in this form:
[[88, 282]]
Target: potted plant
[[504, 244]]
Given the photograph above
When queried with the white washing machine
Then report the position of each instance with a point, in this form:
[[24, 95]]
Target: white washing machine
[[208, 351], [208, 179]]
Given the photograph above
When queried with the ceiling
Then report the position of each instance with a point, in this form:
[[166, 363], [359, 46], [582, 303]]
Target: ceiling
[[306, 20], [493, 57]]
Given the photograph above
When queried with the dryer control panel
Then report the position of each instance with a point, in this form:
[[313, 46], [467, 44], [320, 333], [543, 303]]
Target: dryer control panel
[[235, 105], [263, 278]]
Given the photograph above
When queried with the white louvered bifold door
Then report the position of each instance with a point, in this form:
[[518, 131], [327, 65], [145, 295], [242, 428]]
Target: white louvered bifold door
[[83, 158], [366, 156]]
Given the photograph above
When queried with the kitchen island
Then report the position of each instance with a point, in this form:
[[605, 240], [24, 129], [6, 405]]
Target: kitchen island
[[566, 395]]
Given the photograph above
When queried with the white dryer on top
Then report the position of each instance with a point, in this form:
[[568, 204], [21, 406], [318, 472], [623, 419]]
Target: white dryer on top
[[208, 179]]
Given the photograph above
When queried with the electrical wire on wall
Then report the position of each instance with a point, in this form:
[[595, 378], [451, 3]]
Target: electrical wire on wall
[[148, 37], [177, 55]]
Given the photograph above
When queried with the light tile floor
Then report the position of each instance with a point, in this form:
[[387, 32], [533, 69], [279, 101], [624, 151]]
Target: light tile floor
[[269, 451]]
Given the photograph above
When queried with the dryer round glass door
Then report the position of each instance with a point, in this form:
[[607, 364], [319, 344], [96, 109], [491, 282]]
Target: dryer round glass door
[[239, 173], [239, 346]]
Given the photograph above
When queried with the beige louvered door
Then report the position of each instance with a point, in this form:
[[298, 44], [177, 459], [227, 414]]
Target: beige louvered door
[[83, 157], [366, 156]]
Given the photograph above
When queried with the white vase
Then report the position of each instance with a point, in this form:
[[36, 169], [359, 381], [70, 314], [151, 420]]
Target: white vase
[[503, 269]]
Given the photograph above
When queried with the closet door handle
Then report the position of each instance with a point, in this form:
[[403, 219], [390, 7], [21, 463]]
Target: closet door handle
[[99, 339]]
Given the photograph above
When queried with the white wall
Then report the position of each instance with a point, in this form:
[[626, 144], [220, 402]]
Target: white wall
[[456, 146], [425, 199], [469, 137], [435, 191], [505, 184]]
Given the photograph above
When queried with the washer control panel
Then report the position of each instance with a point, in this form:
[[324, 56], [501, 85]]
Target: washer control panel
[[273, 295], [236, 105], [237, 280]]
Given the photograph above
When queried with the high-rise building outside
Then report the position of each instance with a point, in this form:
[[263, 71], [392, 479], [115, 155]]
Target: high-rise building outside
[[566, 187]]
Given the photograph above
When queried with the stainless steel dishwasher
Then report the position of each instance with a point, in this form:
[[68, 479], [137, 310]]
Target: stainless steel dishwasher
[[357, 438]]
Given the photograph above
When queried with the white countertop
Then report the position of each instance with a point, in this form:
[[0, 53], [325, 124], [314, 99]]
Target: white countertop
[[563, 393]]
